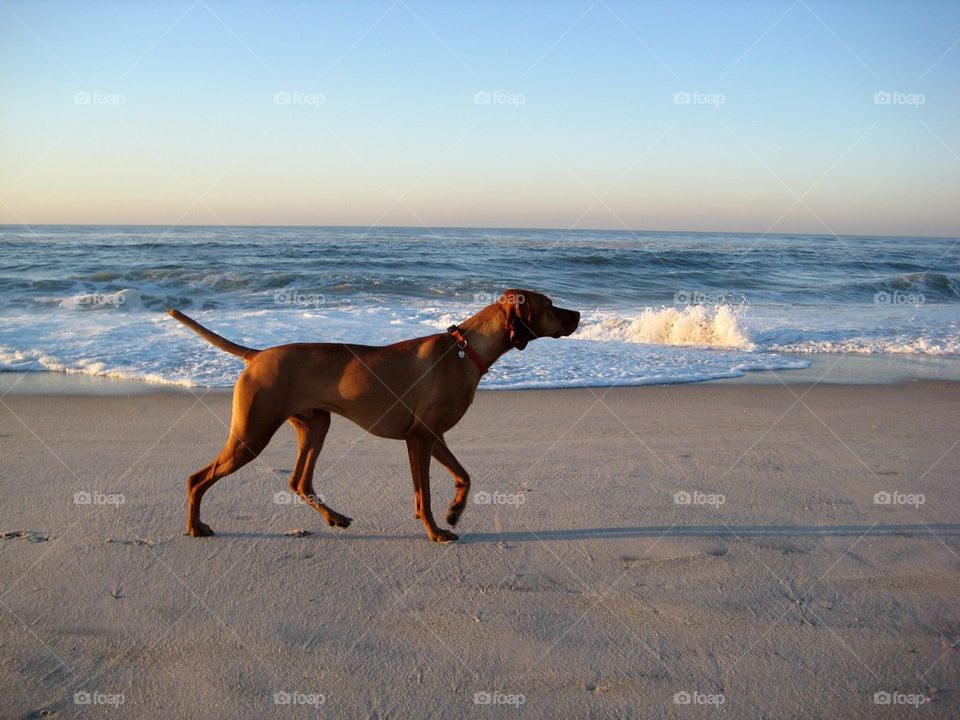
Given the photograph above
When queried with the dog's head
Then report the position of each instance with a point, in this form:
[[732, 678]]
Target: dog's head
[[530, 315]]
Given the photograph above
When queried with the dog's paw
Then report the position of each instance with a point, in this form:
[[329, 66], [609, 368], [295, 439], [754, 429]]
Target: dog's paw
[[200, 530], [338, 520], [453, 514], [444, 536]]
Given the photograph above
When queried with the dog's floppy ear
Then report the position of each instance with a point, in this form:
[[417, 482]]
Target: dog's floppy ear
[[519, 318]]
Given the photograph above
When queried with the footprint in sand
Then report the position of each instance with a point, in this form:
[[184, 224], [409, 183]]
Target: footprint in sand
[[29, 535], [297, 532]]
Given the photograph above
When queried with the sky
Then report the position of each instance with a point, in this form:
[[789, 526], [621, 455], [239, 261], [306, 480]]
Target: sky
[[800, 116]]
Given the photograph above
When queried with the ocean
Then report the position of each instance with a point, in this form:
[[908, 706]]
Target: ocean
[[658, 307]]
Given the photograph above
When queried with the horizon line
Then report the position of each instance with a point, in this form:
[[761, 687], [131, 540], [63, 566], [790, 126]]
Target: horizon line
[[480, 227]]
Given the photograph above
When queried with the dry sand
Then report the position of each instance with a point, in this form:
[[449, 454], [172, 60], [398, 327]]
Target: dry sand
[[598, 595]]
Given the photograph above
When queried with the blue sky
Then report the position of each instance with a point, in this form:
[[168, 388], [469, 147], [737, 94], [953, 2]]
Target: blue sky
[[745, 116]]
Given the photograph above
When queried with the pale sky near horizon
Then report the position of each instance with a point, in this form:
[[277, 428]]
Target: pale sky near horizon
[[776, 116]]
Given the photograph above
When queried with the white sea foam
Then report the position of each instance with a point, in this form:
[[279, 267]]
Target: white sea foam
[[37, 361], [691, 325], [643, 346], [874, 346]]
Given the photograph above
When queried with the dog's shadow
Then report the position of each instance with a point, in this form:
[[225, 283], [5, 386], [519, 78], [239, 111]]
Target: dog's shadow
[[726, 532], [720, 532]]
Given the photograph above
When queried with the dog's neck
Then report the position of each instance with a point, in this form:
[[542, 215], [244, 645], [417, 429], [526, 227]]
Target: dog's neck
[[487, 333]]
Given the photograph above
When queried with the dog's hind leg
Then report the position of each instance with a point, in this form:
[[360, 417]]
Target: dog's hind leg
[[461, 479], [251, 428], [312, 427], [235, 454]]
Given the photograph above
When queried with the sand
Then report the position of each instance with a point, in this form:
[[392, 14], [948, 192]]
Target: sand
[[645, 552]]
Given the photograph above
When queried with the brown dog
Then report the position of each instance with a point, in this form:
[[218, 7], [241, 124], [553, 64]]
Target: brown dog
[[413, 390]]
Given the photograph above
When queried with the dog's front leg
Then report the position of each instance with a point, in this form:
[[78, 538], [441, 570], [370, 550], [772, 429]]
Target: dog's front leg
[[420, 450]]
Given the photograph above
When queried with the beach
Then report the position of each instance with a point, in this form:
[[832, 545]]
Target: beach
[[692, 270], [758, 550]]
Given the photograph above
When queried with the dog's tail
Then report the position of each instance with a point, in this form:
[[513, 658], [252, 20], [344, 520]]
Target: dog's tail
[[211, 337]]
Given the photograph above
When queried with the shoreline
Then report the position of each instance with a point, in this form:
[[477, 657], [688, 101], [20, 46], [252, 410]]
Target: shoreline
[[832, 369]]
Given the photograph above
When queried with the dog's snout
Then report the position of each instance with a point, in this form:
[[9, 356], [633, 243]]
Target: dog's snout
[[571, 319]]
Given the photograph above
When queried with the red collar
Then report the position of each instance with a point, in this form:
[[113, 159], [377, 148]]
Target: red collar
[[464, 348]]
